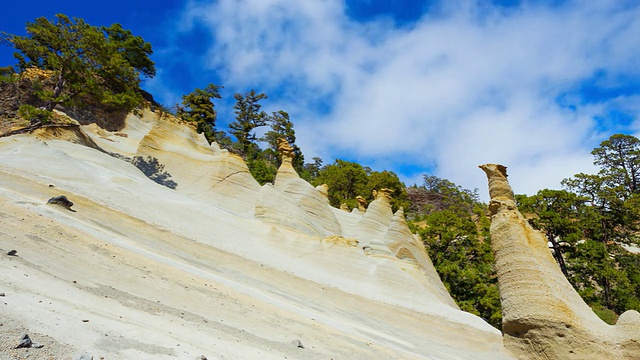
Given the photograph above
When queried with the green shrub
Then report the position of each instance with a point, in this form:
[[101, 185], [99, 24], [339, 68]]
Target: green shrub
[[607, 315], [8, 75], [35, 115]]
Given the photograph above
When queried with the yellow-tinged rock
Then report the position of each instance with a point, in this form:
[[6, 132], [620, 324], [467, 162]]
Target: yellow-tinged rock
[[543, 316]]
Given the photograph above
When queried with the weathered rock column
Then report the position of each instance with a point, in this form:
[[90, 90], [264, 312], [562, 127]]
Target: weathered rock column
[[286, 172], [543, 316]]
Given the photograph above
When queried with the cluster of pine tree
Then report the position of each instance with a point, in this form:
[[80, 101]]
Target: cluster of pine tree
[[198, 108], [454, 226], [346, 180]]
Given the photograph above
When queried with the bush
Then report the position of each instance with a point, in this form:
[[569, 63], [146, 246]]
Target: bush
[[8, 75], [607, 315], [35, 115]]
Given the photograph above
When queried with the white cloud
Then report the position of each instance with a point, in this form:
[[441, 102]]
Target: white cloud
[[465, 85]]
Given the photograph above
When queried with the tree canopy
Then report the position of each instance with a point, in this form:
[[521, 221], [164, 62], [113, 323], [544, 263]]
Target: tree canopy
[[587, 223], [557, 214], [619, 161], [282, 127], [249, 116], [104, 63], [133, 48], [197, 107], [347, 180], [455, 231]]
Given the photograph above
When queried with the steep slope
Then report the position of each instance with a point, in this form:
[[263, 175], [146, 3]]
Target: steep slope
[[175, 156], [162, 271]]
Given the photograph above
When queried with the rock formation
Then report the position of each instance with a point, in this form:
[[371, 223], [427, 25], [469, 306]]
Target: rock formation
[[362, 204], [61, 201], [286, 151], [294, 203], [286, 172], [209, 253], [176, 156], [323, 190], [543, 316]]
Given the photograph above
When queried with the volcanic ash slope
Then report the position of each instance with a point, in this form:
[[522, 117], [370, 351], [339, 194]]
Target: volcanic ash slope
[[186, 255]]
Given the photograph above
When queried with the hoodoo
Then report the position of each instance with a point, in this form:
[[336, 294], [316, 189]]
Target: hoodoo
[[543, 316]]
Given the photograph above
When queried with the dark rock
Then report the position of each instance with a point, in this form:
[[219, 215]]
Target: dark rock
[[12, 253], [62, 201], [85, 356], [25, 342], [298, 344]]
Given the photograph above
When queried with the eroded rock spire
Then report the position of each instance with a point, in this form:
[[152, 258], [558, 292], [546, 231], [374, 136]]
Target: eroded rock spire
[[285, 150], [543, 316], [286, 172], [362, 204]]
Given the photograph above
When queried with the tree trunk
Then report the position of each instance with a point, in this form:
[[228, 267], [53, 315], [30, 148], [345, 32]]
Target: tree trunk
[[557, 254], [57, 91], [606, 287]]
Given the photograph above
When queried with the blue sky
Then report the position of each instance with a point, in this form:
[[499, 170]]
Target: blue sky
[[415, 87]]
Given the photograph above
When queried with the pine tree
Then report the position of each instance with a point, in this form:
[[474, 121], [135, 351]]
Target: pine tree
[[248, 118], [104, 63], [282, 127], [197, 107]]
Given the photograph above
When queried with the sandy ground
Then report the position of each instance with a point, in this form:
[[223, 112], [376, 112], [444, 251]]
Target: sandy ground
[[116, 280]]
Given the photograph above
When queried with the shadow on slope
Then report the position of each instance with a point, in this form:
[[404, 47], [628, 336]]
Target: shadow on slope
[[154, 170]]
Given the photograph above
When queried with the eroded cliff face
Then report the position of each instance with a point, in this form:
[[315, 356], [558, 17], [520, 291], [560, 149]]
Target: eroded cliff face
[[174, 251], [543, 316], [171, 233]]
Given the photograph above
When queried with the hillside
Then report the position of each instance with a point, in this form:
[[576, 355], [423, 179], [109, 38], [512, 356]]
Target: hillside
[[186, 255]]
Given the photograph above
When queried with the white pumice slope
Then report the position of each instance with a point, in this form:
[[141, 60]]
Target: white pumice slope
[[204, 261]]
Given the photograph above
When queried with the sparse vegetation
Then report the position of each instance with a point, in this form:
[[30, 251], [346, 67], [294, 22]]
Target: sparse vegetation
[[35, 115]]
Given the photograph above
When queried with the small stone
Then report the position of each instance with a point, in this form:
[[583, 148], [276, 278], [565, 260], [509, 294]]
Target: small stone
[[25, 342], [85, 356], [12, 253], [62, 201], [85, 320], [202, 357], [298, 344], [2, 294]]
